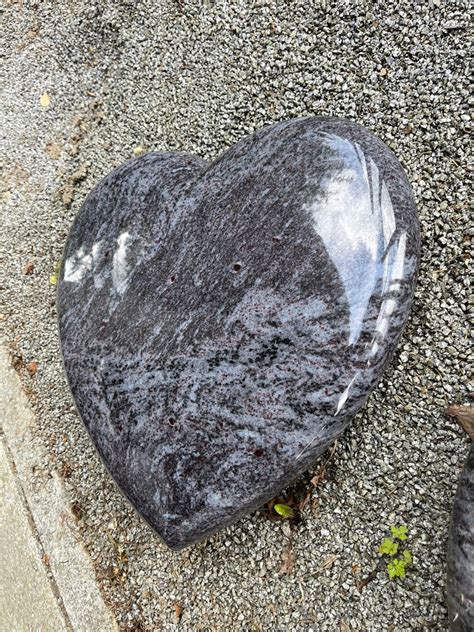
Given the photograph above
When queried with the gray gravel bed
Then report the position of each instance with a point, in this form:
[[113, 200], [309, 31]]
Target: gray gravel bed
[[131, 76]]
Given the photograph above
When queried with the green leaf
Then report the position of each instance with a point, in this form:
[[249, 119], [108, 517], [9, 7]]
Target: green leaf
[[407, 557], [284, 510], [399, 533], [396, 568], [388, 547], [53, 279]]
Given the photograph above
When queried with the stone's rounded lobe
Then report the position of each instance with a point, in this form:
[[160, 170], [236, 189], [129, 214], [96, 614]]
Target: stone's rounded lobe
[[221, 323]]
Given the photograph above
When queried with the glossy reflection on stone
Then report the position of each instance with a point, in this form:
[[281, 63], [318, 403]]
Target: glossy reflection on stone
[[222, 323]]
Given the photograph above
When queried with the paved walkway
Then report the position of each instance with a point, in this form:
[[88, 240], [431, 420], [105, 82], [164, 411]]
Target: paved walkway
[[46, 577]]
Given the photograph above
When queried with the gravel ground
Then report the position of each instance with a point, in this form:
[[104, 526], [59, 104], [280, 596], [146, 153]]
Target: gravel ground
[[127, 76]]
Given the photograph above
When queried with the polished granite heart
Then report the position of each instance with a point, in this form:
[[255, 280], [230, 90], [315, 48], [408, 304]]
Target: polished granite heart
[[221, 323]]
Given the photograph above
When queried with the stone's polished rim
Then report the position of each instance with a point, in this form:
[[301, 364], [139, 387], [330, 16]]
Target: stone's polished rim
[[221, 323]]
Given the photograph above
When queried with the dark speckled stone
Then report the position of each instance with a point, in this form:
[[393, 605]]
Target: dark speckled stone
[[222, 323], [460, 588]]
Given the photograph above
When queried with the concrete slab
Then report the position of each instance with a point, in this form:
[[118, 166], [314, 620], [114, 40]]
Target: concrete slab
[[70, 599], [27, 599]]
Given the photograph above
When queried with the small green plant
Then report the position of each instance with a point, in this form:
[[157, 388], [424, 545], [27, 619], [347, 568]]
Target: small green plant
[[399, 533], [396, 566], [285, 511], [388, 547]]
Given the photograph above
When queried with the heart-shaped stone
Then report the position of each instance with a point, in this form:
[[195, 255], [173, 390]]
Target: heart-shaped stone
[[221, 323]]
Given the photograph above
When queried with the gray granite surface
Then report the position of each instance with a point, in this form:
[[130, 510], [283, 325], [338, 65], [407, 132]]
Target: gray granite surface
[[222, 323], [460, 587]]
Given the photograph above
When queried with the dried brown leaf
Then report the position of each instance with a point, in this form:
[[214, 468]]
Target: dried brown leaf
[[65, 471], [178, 611], [321, 471], [288, 561], [366, 580], [286, 528], [271, 514], [17, 361], [77, 510], [464, 416], [32, 367], [28, 269], [319, 475], [305, 501]]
